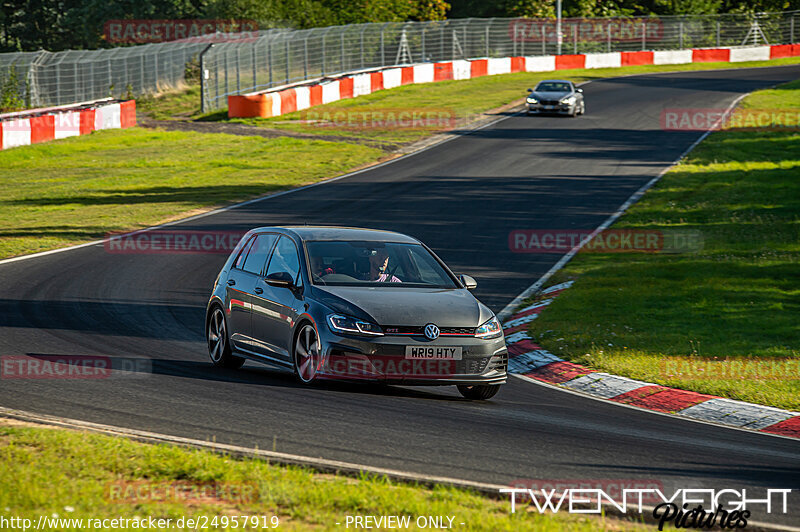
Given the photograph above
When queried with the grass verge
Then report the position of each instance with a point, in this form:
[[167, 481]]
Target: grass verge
[[738, 299], [74, 475], [75, 190]]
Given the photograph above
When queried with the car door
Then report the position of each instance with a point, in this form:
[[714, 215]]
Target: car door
[[246, 270], [275, 308]]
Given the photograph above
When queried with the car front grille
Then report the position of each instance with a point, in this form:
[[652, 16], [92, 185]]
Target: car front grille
[[404, 330], [549, 102]]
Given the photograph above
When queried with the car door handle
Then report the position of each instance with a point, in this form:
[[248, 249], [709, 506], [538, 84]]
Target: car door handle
[[258, 290], [231, 282]]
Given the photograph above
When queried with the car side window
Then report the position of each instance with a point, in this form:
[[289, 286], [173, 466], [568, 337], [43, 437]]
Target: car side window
[[239, 263], [259, 251], [285, 259]]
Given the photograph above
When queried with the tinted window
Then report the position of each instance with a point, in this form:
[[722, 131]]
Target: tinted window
[[343, 263], [259, 250], [284, 258], [243, 254]]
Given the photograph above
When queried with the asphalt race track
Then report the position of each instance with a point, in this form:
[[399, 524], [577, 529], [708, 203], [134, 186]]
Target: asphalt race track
[[462, 198]]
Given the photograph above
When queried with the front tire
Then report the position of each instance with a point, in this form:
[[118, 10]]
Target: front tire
[[219, 344], [479, 392], [306, 355]]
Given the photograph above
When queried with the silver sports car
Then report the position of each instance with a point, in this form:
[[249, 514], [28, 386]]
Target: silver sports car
[[353, 304], [556, 96]]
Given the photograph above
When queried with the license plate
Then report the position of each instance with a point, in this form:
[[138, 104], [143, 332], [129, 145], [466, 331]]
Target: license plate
[[432, 352], [549, 106]]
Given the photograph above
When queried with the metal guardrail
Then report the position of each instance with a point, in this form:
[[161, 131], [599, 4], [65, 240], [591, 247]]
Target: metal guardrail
[[280, 57]]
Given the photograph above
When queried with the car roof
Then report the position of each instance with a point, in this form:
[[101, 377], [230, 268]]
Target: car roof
[[328, 232], [554, 81]]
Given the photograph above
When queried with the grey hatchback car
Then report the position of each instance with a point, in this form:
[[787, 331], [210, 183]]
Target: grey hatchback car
[[353, 304]]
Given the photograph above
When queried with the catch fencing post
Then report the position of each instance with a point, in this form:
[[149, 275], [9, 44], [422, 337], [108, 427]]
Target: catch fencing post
[[680, 37], [269, 60], [608, 37], [342, 67], [487, 39], [717, 33], [574, 39], [253, 65], [544, 42], [204, 80], [791, 29], [644, 35], [238, 70], [305, 58], [361, 39], [286, 50]]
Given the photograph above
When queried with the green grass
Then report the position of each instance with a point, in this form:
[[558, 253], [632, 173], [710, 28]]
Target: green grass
[[171, 105], [738, 298], [78, 189], [74, 475]]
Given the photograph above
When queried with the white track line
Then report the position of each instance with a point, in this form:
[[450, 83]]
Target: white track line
[[509, 309]]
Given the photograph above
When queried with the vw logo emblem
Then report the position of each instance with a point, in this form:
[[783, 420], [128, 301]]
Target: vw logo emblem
[[431, 331]]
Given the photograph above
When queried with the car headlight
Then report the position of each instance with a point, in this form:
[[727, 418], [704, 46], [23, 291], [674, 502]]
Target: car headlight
[[345, 324], [569, 100], [532, 100], [490, 329]]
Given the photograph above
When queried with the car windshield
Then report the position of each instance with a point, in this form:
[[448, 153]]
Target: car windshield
[[355, 263], [553, 86]]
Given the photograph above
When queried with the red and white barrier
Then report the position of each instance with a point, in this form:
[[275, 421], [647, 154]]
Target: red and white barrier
[[287, 100], [41, 125]]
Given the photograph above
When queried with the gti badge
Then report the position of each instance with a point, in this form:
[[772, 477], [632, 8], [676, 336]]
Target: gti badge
[[431, 331]]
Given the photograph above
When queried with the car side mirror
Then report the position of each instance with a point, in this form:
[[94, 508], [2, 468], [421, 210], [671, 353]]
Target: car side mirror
[[530, 90], [279, 279], [468, 282], [578, 90]]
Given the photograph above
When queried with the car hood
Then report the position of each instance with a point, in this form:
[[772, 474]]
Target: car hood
[[550, 95], [405, 306]]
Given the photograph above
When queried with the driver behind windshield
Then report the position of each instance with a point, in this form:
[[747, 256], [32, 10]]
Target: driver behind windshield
[[379, 267]]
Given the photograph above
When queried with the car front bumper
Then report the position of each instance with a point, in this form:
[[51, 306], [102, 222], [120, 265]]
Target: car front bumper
[[383, 358], [561, 109]]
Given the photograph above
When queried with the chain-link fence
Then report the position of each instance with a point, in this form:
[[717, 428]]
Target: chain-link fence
[[294, 56], [280, 57]]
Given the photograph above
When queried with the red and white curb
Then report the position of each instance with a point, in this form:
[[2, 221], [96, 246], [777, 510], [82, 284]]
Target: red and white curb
[[528, 359], [33, 126], [297, 97]]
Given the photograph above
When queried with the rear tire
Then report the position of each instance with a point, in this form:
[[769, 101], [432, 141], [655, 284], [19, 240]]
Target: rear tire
[[219, 344], [479, 392]]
